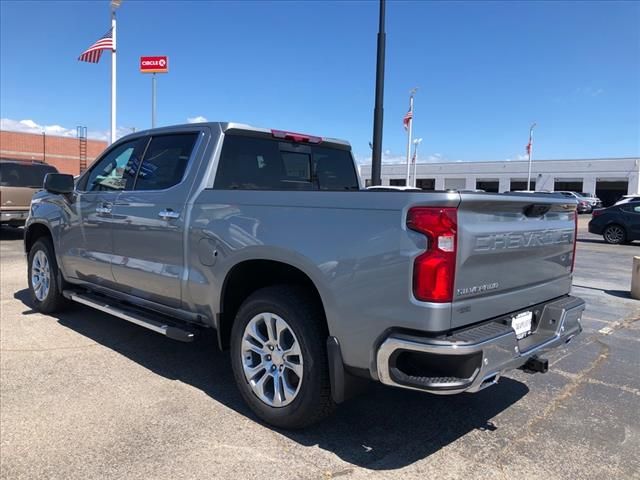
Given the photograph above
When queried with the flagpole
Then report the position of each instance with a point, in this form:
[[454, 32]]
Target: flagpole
[[113, 71], [416, 142], [409, 135], [529, 149]]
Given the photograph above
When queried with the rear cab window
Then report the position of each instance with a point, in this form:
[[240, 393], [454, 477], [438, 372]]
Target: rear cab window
[[14, 174], [260, 162]]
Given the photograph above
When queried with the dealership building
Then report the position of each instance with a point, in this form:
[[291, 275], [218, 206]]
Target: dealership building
[[67, 154], [608, 178]]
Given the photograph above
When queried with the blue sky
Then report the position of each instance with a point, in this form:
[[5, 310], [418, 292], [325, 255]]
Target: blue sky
[[485, 71]]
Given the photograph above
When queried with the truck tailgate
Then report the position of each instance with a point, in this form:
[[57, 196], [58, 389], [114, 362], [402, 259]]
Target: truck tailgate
[[513, 252]]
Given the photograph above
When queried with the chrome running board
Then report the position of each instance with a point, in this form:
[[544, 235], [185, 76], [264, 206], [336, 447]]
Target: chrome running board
[[131, 315]]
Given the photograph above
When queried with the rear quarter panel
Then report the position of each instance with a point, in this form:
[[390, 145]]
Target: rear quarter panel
[[353, 245]]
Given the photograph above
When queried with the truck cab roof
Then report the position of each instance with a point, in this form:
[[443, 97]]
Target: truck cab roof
[[226, 126]]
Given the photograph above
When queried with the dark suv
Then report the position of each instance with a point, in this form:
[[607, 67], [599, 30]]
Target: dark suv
[[617, 224]]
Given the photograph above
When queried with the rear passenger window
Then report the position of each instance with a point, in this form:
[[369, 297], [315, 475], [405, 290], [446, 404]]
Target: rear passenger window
[[252, 163], [165, 161]]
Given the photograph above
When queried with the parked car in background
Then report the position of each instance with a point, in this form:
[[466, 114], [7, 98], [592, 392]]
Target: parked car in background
[[585, 205], [617, 224], [19, 180], [592, 198], [393, 188], [627, 199]]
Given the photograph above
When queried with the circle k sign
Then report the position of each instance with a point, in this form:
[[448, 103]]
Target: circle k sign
[[154, 64]]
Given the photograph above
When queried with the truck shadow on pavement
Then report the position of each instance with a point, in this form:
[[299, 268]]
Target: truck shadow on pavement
[[382, 429]]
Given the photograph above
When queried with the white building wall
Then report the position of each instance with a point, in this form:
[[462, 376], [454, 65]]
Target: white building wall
[[544, 172]]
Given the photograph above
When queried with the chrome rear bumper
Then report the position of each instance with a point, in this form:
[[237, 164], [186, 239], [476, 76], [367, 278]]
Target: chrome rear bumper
[[479, 355], [18, 217]]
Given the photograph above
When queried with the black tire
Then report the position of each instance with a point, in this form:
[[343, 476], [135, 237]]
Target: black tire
[[53, 301], [614, 234], [299, 310]]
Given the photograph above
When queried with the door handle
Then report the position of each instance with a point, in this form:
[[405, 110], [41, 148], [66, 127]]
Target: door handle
[[104, 209], [168, 214]]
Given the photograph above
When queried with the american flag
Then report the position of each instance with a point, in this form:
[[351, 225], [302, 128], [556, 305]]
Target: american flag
[[407, 118], [94, 52]]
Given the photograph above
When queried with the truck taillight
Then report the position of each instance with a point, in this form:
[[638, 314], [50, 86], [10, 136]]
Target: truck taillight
[[575, 239], [434, 270]]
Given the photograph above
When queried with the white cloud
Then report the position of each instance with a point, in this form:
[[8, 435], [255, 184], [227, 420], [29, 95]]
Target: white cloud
[[29, 126], [589, 91], [197, 119]]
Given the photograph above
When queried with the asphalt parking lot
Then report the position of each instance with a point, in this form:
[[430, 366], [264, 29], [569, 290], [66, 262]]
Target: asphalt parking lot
[[85, 395]]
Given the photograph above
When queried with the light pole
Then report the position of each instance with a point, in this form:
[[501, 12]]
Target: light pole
[[416, 142], [529, 150], [378, 111]]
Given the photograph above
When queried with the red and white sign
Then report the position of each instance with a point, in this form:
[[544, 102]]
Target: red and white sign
[[154, 64]]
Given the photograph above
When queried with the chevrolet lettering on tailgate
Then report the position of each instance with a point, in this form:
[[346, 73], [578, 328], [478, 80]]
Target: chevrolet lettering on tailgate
[[516, 240]]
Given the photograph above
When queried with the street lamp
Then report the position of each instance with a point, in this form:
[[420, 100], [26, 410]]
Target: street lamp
[[378, 111], [416, 142]]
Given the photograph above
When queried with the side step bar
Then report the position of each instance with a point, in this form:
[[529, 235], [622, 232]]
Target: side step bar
[[99, 303]]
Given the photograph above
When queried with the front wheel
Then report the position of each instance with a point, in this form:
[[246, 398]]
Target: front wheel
[[43, 274], [279, 358], [614, 234]]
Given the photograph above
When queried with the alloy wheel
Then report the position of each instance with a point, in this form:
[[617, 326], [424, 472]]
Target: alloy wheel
[[614, 234], [272, 360], [40, 275]]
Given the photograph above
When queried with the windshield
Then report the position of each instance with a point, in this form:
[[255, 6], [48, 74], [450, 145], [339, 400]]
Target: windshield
[[23, 175]]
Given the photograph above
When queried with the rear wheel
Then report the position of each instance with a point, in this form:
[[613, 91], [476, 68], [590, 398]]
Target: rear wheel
[[43, 277], [279, 358], [614, 234]]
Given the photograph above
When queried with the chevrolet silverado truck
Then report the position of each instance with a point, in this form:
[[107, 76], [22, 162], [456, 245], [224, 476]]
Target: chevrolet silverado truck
[[312, 282]]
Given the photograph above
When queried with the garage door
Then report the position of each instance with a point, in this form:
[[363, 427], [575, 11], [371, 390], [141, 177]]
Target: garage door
[[567, 185], [426, 183], [517, 184], [610, 191], [488, 185]]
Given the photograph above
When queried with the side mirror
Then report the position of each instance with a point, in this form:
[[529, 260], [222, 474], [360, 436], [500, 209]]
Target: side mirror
[[59, 183]]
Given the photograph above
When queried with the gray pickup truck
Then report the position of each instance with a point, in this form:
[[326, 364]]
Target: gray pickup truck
[[313, 283]]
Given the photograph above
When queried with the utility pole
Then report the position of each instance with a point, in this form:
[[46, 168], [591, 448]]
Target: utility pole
[[529, 152], [378, 112]]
